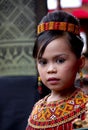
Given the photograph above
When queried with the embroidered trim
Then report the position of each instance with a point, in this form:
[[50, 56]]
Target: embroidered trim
[[63, 26], [60, 121], [76, 108]]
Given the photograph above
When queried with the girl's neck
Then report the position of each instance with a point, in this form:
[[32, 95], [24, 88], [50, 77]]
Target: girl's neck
[[54, 96]]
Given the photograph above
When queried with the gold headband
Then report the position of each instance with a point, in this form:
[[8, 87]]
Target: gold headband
[[63, 26]]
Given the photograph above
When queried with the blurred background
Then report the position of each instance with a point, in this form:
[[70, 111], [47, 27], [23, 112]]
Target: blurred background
[[18, 22]]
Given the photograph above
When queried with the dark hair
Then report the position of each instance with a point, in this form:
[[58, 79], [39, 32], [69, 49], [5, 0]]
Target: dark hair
[[44, 38]]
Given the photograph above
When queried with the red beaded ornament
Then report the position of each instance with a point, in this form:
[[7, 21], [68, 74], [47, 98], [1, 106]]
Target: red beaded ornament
[[63, 26], [39, 85]]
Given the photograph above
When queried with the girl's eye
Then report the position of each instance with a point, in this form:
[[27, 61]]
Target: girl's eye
[[42, 62], [60, 60]]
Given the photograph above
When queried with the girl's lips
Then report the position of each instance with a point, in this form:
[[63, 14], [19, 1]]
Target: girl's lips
[[53, 81]]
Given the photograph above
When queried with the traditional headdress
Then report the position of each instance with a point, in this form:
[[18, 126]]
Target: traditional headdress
[[63, 26]]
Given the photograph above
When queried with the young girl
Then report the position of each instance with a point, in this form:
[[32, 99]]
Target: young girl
[[57, 52]]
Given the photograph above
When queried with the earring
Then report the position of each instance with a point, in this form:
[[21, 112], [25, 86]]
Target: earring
[[81, 78], [81, 74], [39, 85]]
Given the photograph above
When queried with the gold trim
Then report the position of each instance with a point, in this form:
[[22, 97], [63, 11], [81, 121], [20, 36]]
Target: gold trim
[[63, 26], [78, 111], [57, 124]]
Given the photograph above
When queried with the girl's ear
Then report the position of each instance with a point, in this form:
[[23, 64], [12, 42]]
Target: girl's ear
[[81, 62]]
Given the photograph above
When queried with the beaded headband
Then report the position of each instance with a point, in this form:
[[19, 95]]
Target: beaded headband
[[63, 26]]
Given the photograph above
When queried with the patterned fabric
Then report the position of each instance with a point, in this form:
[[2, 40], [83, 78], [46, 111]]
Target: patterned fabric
[[58, 114]]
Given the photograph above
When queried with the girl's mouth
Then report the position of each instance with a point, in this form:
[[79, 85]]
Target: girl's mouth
[[53, 81]]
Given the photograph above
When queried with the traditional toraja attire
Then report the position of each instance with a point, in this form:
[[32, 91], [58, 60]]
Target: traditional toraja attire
[[58, 115]]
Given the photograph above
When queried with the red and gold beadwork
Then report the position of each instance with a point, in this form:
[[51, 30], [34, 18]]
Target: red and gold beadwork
[[63, 26], [58, 114]]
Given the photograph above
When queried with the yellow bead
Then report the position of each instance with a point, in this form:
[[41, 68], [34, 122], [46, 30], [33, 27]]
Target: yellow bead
[[39, 79]]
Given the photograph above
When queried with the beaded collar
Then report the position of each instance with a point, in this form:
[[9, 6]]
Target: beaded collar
[[57, 113]]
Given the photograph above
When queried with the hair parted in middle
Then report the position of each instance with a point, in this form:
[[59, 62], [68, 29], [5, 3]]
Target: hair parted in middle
[[49, 32]]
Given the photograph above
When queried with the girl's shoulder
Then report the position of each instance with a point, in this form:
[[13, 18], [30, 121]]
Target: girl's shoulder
[[80, 98]]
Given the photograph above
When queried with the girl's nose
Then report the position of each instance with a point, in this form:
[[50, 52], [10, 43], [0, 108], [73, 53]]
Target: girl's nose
[[51, 69]]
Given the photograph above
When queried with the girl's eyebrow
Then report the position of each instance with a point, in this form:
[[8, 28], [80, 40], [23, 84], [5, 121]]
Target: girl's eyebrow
[[62, 55], [59, 55], [55, 56]]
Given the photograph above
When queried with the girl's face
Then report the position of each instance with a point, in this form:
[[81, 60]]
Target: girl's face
[[58, 65]]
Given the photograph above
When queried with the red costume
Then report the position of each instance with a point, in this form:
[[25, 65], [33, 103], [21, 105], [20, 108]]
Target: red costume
[[58, 115]]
